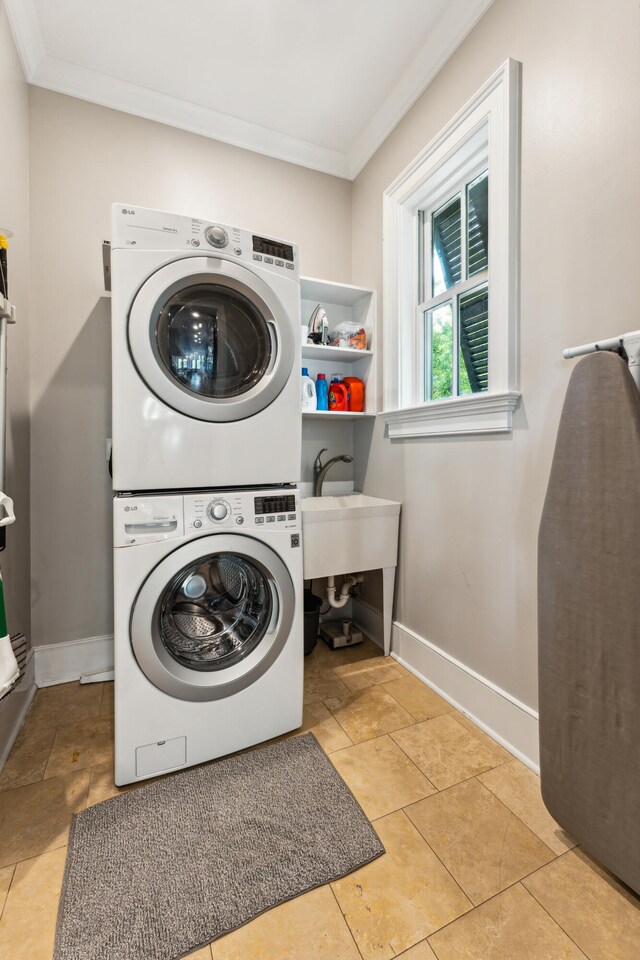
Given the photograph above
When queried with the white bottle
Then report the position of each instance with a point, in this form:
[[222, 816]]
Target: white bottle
[[308, 392]]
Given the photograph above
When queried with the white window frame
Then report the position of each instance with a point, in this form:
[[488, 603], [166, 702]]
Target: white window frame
[[485, 131]]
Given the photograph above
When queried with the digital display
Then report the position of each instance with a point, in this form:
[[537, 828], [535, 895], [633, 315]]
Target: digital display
[[284, 504], [272, 248]]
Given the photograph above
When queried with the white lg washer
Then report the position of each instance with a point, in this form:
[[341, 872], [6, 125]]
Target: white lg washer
[[206, 344], [208, 625]]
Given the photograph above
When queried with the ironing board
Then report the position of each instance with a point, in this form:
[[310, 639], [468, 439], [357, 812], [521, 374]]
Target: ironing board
[[589, 617]]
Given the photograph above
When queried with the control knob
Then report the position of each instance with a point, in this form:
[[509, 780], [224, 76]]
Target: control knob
[[218, 510], [216, 236]]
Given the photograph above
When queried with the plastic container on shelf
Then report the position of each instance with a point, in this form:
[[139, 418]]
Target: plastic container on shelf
[[349, 335], [355, 386], [308, 391], [338, 394], [322, 392]]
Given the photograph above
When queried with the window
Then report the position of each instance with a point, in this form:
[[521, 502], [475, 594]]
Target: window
[[454, 289], [450, 250]]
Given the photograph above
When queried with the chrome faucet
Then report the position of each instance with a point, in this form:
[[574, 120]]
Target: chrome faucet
[[320, 470]]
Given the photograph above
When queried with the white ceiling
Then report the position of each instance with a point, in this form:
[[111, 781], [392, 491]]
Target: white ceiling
[[317, 82]]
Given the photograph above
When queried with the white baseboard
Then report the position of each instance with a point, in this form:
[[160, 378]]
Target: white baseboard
[[14, 707], [509, 721], [64, 662], [512, 723]]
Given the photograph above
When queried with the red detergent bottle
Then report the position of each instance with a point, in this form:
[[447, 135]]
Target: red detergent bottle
[[355, 386], [338, 394]]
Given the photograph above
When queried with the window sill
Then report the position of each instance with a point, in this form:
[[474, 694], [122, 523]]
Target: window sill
[[478, 413]]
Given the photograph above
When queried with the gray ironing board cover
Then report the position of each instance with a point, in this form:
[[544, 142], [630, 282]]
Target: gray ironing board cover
[[589, 617]]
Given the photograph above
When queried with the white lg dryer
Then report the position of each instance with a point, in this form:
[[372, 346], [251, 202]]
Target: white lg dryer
[[208, 625], [206, 344]]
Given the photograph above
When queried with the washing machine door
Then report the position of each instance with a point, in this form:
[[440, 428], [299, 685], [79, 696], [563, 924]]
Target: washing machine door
[[211, 339], [212, 617]]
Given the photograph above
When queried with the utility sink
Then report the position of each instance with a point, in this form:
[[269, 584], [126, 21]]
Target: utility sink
[[348, 534]]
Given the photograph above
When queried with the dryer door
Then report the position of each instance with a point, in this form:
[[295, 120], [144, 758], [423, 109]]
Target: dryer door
[[212, 617], [211, 339]]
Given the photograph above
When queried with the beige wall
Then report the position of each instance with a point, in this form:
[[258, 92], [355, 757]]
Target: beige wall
[[14, 215], [84, 157], [471, 507]]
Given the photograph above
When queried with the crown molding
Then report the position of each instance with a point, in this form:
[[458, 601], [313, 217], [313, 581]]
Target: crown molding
[[26, 34], [75, 81], [457, 21], [61, 76]]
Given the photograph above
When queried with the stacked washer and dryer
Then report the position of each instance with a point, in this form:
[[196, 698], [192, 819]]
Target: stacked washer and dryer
[[207, 524]]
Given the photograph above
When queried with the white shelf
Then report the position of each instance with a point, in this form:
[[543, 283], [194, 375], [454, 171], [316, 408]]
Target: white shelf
[[313, 351], [342, 294], [336, 414], [344, 304]]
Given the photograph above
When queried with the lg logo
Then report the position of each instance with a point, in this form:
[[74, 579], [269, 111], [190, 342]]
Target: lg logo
[[127, 509], [130, 213]]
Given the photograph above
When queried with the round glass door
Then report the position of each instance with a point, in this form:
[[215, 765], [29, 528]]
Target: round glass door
[[215, 612], [211, 339], [212, 617]]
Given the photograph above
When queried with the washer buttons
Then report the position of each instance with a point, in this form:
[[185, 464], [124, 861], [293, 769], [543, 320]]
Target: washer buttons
[[239, 521], [197, 524], [237, 251], [268, 259], [195, 243]]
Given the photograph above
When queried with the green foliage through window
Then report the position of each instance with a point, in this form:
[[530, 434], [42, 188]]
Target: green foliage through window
[[457, 330], [441, 324]]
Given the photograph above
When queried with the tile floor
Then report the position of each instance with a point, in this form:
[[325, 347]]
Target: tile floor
[[475, 868]]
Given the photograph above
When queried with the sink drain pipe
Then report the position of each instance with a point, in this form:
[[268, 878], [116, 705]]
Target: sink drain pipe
[[347, 584]]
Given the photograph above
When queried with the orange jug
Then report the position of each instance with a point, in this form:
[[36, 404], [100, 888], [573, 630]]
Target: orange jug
[[355, 386], [338, 394]]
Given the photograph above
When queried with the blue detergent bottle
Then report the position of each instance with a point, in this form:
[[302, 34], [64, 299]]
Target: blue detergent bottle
[[322, 392]]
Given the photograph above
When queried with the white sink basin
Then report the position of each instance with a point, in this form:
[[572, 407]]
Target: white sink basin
[[348, 534]]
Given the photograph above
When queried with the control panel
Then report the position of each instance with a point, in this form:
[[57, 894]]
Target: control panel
[[137, 228], [146, 519], [244, 509], [204, 511], [275, 508]]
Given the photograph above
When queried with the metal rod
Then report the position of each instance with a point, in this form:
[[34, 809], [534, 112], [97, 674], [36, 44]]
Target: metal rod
[[627, 345], [614, 343]]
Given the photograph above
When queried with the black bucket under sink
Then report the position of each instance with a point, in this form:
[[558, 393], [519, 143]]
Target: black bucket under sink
[[312, 605]]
